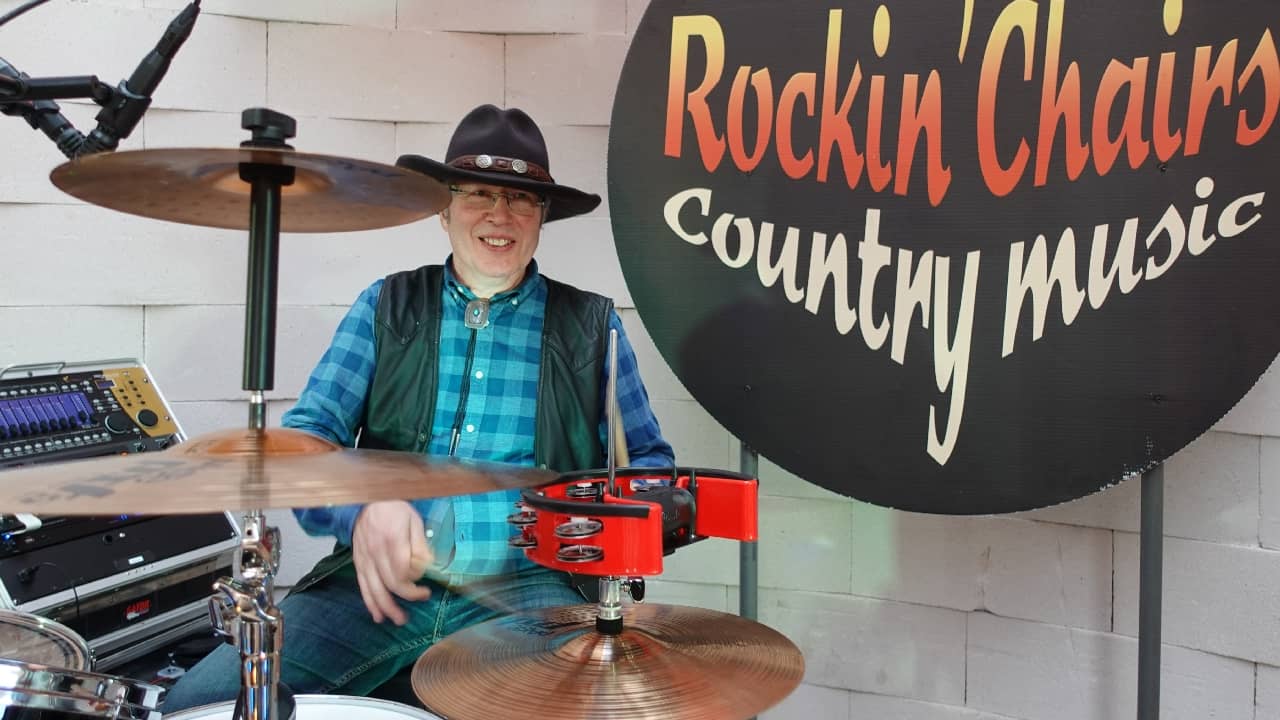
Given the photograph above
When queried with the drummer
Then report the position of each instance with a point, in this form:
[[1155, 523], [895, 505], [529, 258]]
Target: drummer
[[483, 357]]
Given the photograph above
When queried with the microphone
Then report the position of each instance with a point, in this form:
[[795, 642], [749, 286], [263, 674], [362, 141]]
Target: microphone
[[43, 115], [132, 97]]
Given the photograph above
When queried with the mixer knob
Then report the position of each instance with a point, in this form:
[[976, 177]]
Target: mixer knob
[[148, 418], [118, 423]]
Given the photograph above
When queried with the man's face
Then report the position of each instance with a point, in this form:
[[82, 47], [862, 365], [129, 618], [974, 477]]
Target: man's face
[[492, 244]]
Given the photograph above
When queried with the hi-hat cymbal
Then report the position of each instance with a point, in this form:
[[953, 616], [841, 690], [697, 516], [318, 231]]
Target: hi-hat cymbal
[[202, 186], [245, 469], [669, 663]]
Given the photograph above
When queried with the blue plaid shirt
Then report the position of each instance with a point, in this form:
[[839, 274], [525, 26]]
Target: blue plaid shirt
[[469, 533]]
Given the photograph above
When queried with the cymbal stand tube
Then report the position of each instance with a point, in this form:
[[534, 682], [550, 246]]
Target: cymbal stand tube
[[609, 609], [260, 292], [257, 411], [612, 413]]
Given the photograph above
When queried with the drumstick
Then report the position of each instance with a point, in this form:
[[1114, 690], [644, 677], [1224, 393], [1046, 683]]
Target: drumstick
[[619, 438]]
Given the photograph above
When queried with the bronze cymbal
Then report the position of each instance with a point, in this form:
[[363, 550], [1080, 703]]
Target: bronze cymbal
[[202, 186], [669, 663], [244, 470]]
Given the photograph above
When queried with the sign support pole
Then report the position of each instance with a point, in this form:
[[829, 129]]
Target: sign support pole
[[1150, 587], [748, 552]]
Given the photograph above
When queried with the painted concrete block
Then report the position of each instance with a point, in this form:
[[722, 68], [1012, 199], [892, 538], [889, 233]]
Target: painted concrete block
[[1047, 672], [688, 594], [86, 255], [420, 76], [884, 707], [635, 13], [579, 251], [578, 155], [1269, 517], [369, 13], [697, 439], [873, 645], [713, 561], [69, 334], [812, 701], [1258, 412], [220, 67], [1268, 693], [429, 139], [200, 349], [805, 544], [546, 76], [778, 482], [1014, 568], [514, 16], [29, 157], [1211, 493], [201, 417], [334, 268], [1217, 598], [357, 139]]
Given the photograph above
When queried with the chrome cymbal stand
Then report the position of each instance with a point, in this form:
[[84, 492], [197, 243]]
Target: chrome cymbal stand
[[609, 608], [244, 612]]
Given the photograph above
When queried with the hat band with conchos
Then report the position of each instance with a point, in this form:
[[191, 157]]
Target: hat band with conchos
[[497, 163]]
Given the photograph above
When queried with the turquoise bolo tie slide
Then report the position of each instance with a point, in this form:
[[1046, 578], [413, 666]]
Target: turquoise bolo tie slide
[[477, 314]]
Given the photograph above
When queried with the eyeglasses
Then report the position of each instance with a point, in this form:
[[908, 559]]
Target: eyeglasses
[[520, 203]]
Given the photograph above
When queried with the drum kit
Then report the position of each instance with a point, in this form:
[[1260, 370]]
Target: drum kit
[[608, 660]]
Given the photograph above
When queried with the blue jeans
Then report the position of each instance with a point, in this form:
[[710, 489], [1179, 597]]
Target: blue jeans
[[331, 645]]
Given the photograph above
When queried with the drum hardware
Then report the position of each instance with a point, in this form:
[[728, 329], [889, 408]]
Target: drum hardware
[[42, 691], [46, 672], [33, 639]]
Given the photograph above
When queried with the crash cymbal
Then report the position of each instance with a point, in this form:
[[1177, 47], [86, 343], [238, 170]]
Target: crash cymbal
[[202, 186], [246, 469], [669, 663]]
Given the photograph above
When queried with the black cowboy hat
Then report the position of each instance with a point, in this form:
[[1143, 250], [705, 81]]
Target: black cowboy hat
[[503, 147]]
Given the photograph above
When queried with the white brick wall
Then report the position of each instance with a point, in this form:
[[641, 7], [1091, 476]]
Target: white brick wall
[[900, 616]]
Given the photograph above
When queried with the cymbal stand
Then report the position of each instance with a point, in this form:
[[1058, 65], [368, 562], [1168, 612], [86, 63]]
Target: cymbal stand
[[245, 612], [609, 608]]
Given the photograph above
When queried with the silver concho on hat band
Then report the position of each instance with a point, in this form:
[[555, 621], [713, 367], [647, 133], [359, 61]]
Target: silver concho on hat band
[[484, 161], [520, 166]]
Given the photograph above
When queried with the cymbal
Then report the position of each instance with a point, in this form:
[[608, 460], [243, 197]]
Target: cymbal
[[202, 186], [669, 663], [246, 469]]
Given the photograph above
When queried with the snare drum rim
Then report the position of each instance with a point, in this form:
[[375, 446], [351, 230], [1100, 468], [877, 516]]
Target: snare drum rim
[[54, 629], [41, 687]]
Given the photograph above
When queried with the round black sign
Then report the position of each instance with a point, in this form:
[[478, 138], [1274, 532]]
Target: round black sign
[[976, 258]]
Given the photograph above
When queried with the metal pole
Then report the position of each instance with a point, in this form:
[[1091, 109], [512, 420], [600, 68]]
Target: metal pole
[[1150, 587], [260, 300], [748, 552]]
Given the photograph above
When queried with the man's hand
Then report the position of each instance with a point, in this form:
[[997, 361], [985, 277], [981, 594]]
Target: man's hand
[[389, 546]]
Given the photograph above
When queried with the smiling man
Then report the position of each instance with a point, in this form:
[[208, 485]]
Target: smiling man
[[482, 357]]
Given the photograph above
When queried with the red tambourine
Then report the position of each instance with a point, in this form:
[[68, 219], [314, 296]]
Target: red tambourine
[[578, 525]]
